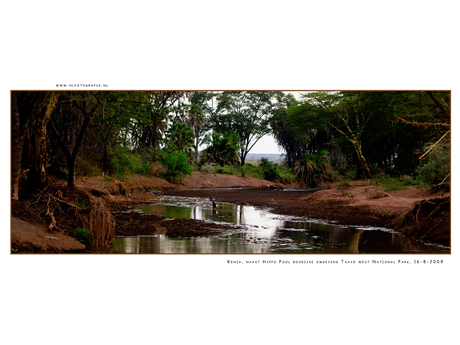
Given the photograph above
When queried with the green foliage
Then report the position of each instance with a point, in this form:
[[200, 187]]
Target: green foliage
[[245, 113], [268, 169], [351, 174], [344, 184], [82, 235], [396, 183], [226, 169], [124, 161], [207, 168], [222, 149], [62, 173], [341, 164], [84, 167], [436, 164], [176, 165], [251, 170], [265, 170], [312, 167], [180, 137]]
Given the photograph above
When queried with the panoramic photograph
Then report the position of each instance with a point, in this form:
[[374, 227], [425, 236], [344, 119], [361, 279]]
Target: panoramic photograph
[[230, 172]]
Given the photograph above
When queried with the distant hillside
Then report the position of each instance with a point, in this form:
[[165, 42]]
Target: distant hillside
[[272, 157]]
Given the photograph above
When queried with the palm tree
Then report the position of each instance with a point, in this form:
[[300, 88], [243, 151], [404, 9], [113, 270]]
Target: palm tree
[[180, 137], [305, 169], [222, 149], [311, 167]]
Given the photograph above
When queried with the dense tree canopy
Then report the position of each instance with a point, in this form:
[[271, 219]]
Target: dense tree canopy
[[72, 133]]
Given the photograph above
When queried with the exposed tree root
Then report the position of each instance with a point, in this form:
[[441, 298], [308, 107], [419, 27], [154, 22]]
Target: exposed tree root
[[428, 220], [101, 226]]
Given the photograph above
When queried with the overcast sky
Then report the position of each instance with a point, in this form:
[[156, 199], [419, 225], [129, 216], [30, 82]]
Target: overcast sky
[[267, 144]]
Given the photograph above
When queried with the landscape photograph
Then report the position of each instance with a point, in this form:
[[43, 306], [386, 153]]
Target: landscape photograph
[[230, 172]]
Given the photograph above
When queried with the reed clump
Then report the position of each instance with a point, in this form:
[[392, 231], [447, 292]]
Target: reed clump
[[101, 226]]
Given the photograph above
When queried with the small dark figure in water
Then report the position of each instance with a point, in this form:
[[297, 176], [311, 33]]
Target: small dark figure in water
[[213, 204]]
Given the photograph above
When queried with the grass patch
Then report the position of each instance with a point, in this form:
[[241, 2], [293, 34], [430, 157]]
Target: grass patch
[[397, 183], [265, 170], [344, 184]]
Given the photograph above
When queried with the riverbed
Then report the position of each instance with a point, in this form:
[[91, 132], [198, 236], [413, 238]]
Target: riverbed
[[248, 229]]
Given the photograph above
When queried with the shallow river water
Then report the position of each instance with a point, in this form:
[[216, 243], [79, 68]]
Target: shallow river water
[[259, 231]]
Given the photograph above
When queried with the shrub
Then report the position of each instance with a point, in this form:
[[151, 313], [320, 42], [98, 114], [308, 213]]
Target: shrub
[[82, 235], [344, 184], [143, 168], [251, 170], [268, 169], [226, 169], [284, 174], [436, 165], [207, 168], [176, 165], [123, 162], [86, 168], [341, 164]]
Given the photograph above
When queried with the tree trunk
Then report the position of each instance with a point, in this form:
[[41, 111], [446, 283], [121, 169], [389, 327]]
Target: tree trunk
[[71, 171], [71, 156], [24, 106], [243, 155], [16, 147], [362, 161], [38, 139]]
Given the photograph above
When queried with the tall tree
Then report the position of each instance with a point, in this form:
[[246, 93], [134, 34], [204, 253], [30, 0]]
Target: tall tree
[[85, 104], [179, 136], [353, 116], [298, 130], [150, 123], [198, 109], [222, 149], [38, 140], [24, 107], [245, 113]]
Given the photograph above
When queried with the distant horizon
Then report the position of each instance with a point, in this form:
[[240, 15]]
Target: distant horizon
[[267, 144]]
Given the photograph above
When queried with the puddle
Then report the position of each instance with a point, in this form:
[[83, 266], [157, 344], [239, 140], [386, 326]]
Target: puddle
[[261, 231]]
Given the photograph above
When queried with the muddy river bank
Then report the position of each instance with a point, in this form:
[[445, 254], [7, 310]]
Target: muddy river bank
[[269, 221]]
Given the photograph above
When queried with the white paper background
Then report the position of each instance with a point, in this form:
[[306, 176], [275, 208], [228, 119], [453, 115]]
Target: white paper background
[[200, 299]]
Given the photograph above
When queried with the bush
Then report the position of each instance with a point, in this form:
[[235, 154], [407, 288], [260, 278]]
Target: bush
[[226, 169], [176, 165], [268, 169], [82, 235], [436, 165], [263, 170], [143, 168], [284, 175], [341, 164], [86, 168], [123, 162], [207, 168], [251, 170]]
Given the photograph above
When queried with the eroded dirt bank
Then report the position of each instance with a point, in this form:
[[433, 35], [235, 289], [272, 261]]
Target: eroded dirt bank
[[413, 212], [361, 204]]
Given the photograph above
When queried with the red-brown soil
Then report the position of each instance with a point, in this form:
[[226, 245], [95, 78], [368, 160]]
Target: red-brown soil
[[27, 237], [361, 204]]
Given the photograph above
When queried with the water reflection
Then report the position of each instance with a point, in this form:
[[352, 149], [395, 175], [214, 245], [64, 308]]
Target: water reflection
[[264, 232]]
